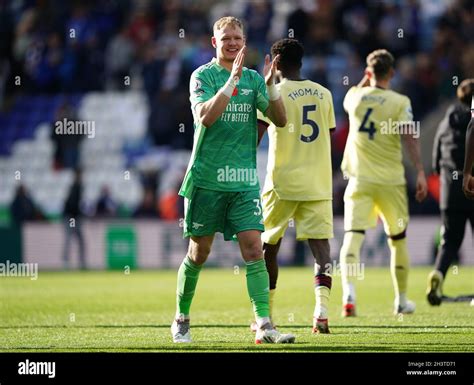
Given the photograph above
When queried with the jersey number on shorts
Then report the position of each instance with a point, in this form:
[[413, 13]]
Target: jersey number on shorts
[[312, 123], [371, 129], [259, 209]]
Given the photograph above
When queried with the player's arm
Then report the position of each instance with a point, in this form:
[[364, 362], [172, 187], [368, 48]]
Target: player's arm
[[365, 81], [276, 110], [331, 115], [467, 182], [209, 111], [412, 146], [262, 128]]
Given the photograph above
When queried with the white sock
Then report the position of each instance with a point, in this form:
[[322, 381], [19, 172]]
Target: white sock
[[322, 300], [320, 312], [401, 299], [181, 317], [348, 293], [262, 321]]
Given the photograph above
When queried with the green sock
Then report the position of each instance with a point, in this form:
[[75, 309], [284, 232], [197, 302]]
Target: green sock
[[188, 275], [258, 286]]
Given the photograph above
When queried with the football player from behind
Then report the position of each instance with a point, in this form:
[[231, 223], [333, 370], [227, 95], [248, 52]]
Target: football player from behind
[[298, 184], [380, 120]]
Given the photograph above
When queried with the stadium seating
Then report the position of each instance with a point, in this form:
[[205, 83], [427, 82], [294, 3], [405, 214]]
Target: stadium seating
[[27, 148]]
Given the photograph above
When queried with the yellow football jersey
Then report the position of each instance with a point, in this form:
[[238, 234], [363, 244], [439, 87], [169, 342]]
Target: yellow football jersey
[[373, 149], [299, 154]]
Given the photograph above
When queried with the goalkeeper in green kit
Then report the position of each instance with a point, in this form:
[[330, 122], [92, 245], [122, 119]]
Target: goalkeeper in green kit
[[221, 187]]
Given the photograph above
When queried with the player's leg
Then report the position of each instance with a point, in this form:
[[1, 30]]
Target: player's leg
[[68, 230], [258, 288], [400, 268], [244, 218], [200, 224], [359, 215], [188, 275], [349, 259], [257, 275], [81, 244], [276, 214], [392, 205], [322, 283], [270, 253], [452, 235], [314, 222]]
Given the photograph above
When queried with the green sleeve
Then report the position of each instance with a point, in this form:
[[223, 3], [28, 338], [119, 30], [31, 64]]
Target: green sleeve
[[262, 95], [200, 88]]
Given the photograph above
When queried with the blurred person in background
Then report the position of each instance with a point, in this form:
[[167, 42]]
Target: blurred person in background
[[147, 208], [106, 205], [22, 208], [468, 178], [448, 159], [72, 222], [119, 57], [67, 144]]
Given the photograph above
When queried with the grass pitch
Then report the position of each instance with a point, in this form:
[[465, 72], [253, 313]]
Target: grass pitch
[[115, 312]]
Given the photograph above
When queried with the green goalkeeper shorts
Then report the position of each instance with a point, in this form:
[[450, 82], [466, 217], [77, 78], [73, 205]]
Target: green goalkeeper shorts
[[208, 212]]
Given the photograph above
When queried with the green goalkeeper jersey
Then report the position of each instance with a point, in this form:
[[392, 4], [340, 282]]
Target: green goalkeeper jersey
[[224, 154]]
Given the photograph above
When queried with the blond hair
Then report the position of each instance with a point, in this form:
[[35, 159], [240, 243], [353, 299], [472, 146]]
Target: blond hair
[[227, 20], [380, 62]]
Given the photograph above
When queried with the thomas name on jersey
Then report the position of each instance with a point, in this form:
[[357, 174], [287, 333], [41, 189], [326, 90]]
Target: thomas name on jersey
[[305, 92]]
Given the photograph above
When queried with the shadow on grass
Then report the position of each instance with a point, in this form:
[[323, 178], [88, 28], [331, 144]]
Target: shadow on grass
[[287, 348], [246, 326]]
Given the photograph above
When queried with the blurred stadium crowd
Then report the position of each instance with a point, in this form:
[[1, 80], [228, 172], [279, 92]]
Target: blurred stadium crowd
[[125, 66]]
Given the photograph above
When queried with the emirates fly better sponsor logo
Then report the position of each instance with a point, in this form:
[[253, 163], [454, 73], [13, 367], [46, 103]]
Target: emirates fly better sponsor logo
[[237, 112]]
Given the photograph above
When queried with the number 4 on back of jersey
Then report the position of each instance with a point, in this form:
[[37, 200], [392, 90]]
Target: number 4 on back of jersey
[[371, 129]]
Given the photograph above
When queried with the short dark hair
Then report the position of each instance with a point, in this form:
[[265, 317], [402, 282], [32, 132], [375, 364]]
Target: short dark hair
[[291, 53], [380, 62], [465, 91]]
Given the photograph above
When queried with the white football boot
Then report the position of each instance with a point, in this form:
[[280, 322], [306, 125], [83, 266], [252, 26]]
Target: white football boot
[[269, 335], [180, 330], [407, 308]]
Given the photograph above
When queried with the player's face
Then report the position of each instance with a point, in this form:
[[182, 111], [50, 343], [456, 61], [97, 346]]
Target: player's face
[[228, 42]]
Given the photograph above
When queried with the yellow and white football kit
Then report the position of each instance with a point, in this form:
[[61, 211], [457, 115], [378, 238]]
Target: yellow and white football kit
[[377, 186], [373, 159], [298, 184]]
